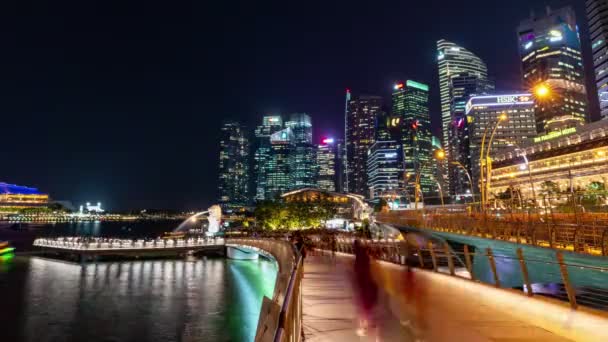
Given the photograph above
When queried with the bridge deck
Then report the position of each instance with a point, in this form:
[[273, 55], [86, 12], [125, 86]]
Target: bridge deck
[[427, 306]]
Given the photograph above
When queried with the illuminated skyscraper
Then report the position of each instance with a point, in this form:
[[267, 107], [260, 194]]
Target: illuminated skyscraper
[[411, 111], [303, 167], [385, 170], [517, 127], [454, 61], [233, 182], [361, 114], [597, 14], [328, 165], [278, 166], [263, 153], [550, 51], [461, 74]]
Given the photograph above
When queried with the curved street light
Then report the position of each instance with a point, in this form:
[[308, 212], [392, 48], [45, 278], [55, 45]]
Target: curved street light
[[485, 160]]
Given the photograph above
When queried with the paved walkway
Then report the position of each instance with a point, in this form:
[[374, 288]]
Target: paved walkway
[[425, 306]]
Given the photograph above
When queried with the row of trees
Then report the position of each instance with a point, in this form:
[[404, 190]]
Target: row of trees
[[293, 215]]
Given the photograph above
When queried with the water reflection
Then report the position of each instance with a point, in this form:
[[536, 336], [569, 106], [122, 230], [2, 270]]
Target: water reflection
[[209, 299]]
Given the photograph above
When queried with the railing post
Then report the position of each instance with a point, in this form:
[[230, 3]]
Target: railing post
[[566, 279], [420, 258], [433, 256], [448, 255], [467, 258], [493, 266], [524, 272]]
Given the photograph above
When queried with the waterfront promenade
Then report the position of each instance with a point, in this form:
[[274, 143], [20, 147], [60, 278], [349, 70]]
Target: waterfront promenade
[[427, 306]]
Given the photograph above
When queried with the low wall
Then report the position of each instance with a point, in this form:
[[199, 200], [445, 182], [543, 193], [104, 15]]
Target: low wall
[[280, 317]]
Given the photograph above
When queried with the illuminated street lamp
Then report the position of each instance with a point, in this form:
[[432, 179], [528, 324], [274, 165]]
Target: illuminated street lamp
[[486, 161], [542, 90], [438, 155], [459, 164]]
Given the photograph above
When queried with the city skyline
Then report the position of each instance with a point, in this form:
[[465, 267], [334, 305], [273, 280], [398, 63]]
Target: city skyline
[[132, 152]]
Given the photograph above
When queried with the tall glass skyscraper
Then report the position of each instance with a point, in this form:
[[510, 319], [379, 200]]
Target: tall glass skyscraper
[[263, 153], [361, 115], [303, 166], [597, 14], [461, 74], [328, 165], [278, 165], [233, 185], [550, 51], [411, 107], [385, 170]]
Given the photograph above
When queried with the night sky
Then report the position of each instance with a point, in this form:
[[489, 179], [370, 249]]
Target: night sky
[[121, 101]]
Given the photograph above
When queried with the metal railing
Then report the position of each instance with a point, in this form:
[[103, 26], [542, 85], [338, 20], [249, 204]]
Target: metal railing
[[587, 236], [111, 244], [549, 277]]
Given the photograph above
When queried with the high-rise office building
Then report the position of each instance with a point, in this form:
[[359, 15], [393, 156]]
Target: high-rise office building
[[263, 152], [515, 127], [328, 165], [455, 61], [597, 15], [361, 115], [234, 162], [550, 51], [411, 107], [303, 167], [461, 74], [462, 87], [385, 170], [278, 165]]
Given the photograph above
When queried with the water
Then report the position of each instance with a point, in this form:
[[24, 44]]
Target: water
[[198, 299]]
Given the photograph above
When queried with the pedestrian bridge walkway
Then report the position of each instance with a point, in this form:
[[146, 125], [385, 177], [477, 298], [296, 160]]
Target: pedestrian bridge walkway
[[420, 305]]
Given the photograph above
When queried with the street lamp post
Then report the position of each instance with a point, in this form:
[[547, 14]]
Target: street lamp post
[[459, 164], [485, 160], [438, 155]]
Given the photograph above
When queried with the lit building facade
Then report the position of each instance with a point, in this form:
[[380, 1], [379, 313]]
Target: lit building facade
[[263, 153], [14, 197], [554, 165], [361, 115], [597, 15], [328, 165], [278, 168], [461, 75], [410, 105], [550, 51], [303, 167], [462, 87], [385, 169], [454, 60], [233, 185], [483, 114]]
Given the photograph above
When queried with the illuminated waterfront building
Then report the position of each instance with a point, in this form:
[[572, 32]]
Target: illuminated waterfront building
[[361, 115], [597, 15], [263, 149], [513, 117], [385, 169], [327, 163], [278, 169], [234, 162], [554, 165], [461, 74], [303, 168], [14, 197], [550, 51], [410, 105]]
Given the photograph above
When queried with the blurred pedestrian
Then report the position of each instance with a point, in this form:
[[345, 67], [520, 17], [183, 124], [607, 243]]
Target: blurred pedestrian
[[366, 287]]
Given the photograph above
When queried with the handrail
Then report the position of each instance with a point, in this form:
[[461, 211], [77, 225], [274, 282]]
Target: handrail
[[532, 270], [280, 317]]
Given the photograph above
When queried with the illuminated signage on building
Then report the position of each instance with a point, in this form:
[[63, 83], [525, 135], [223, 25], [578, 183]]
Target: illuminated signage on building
[[555, 134], [499, 100], [328, 141]]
